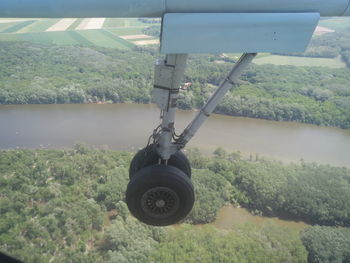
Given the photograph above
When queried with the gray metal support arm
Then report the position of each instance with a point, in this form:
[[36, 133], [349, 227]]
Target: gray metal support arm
[[168, 76], [216, 98]]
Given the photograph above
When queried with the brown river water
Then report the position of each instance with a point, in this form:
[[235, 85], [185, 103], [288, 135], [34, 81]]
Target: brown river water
[[127, 127]]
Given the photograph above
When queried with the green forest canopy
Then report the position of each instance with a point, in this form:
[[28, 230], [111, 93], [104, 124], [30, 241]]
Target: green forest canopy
[[59, 205]]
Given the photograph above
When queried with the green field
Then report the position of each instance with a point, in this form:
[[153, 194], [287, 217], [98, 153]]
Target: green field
[[49, 38], [10, 37], [18, 26], [124, 27], [123, 22], [100, 38], [336, 24], [300, 61], [79, 38], [124, 42], [126, 31], [56, 38], [114, 22], [75, 24], [5, 26], [39, 26]]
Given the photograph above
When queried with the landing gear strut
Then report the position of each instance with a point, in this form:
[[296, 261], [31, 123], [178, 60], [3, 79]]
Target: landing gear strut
[[160, 192]]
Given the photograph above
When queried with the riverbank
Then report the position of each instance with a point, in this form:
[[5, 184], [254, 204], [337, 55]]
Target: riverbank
[[63, 75], [127, 127]]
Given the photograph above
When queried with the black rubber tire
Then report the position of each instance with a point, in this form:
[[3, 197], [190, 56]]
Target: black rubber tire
[[157, 178], [148, 156]]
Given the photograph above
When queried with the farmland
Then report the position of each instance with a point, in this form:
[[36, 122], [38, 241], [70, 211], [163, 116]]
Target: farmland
[[339, 23], [300, 61], [110, 32], [126, 33]]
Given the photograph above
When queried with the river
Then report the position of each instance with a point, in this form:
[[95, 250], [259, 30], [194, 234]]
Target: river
[[127, 127]]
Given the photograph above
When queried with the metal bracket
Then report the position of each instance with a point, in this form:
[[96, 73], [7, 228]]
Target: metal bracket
[[168, 77]]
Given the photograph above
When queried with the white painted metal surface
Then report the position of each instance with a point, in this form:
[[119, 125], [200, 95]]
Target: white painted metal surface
[[324, 7], [237, 33]]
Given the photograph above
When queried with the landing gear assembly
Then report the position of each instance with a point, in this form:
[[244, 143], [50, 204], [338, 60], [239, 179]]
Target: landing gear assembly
[[160, 191]]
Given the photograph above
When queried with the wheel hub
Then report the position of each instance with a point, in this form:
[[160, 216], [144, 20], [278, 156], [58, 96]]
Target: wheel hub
[[160, 202]]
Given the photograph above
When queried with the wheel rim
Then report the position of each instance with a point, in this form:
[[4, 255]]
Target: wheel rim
[[160, 202]]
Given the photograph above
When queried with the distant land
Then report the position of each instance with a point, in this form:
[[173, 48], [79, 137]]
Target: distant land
[[127, 33]]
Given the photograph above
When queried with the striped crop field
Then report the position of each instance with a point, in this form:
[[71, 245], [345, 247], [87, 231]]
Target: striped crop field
[[79, 38], [125, 31], [9, 37], [122, 22], [100, 38], [335, 23], [56, 38], [61, 25], [4, 26], [38, 26], [114, 22], [18, 26], [75, 24], [109, 32], [117, 38]]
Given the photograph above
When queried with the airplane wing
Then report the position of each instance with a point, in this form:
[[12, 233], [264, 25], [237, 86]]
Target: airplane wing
[[203, 26]]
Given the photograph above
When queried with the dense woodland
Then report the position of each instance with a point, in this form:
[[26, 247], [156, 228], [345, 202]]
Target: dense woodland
[[322, 243], [32, 73], [68, 206]]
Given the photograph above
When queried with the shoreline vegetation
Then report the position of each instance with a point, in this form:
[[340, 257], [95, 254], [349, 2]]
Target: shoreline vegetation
[[38, 74], [54, 205]]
